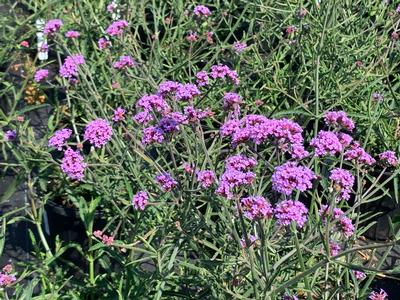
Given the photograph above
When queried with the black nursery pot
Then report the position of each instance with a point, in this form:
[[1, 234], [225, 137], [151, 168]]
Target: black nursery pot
[[387, 208], [66, 223]]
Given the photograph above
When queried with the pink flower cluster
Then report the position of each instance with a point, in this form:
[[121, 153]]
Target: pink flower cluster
[[202, 78], [108, 240], [140, 200], [124, 62], [52, 26], [119, 114], [59, 138], [117, 28], [289, 177], [326, 143], [381, 295], [72, 164], [334, 248], [339, 119], [152, 135], [102, 43], [72, 34], [259, 129], [389, 158], [186, 92], [223, 71], [344, 223], [41, 74], [98, 132], [6, 278], [359, 275], [202, 11], [289, 211], [359, 155], [256, 207], [69, 69], [343, 182], [206, 178], [236, 175], [239, 47], [166, 181]]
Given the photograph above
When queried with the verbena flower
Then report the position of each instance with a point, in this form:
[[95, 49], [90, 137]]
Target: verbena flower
[[72, 164], [10, 135], [359, 155], [72, 34], [124, 62], [223, 71], [289, 211], [168, 87], [359, 275], [252, 240], [111, 6], [187, 92], [194, 115], [239, 47], [344, 223], [232, 100], [240, 162], [52, 26], [339, 119], [69, 69], [98, 132], [152, 135], [256, 207], [206, 178], [326, 143], [143, 117], [381, 295], [192, 37], [334, 248], [102, 43], [232, 179], [117, 28], [166, 181], [168, 124], [187, 167], [202, 11], [343, 182], [389, 158], [202, 78], [344, 139], [289, 177], [153, 102], [140, 200], [59, 138], [41, 74], [119, 114], [6, 279]]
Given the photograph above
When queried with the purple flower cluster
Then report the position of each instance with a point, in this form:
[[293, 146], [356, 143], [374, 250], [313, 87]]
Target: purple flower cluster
[[187, 91], [52, 26], [236, 175], [6, 278], [381, 295], [10, 135], [98, 132], [289, 211], [143, 117], [152, 135], [326, 143], [166, 181], [201, 10], [41, 74], [339, 119], [72, 164], [206, 178], [119, 114], [102, 43], [359, 155], [232, 100], [69, 69], [223, 71], [334, 248], [59, 138], [290, 176], [140, 200], [344, 224], [359, 275], [153, 102], [256, 207], [343, 182], [168, 87], [117, 28], [252, 240], [202, 78], [124, 62], [72, 34], [389, 158], [239, 47]]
